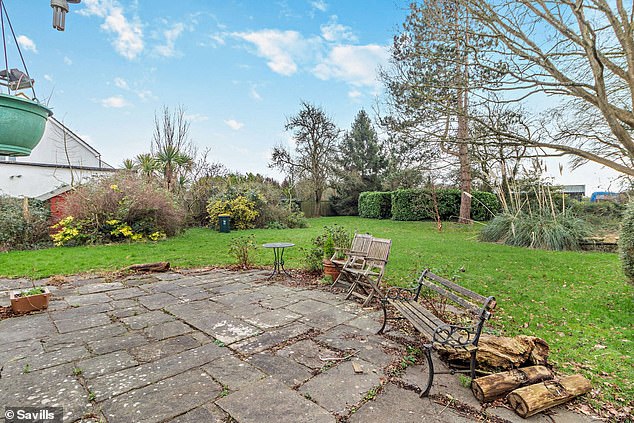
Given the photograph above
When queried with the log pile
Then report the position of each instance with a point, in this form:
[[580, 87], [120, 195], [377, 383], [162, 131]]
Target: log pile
[[161, 266], [498, 385], [501, 353], [532, 399], [530, 390]]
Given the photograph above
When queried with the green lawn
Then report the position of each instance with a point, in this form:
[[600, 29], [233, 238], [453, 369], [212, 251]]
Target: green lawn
[[579, 302]]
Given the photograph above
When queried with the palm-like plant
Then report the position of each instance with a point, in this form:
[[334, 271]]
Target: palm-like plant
[[146, 164]]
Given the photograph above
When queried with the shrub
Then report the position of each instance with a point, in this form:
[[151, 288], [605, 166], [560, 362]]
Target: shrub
[[561, 231], [121, 207], [626, 242], [417, 204], [23, 225], [412, 204], [333, 238], [375, 205], [241, 248], [242, 211]]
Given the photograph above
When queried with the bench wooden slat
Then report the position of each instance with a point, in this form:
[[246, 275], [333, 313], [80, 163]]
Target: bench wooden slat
[[445, 293], [452, 285], [424, 326]]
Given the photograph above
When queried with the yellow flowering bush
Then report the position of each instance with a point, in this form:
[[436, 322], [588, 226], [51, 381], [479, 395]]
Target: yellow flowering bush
[[68, 231], [243, 212]]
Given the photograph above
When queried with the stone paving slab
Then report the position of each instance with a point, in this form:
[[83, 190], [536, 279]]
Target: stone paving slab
[[117, 383], [395, 404], [233, 373], [283, 369], [271, 401], [208, 413], [215, 346], [167, 330], [41, 361], [339, 388], [52, 387], [165, 348], [103, 364], [142, 321], [187, 391]]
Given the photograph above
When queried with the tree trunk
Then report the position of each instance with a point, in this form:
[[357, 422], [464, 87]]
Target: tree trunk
[[492, 387], [465, 161], [532, 399], [318, 194], [497, 352]]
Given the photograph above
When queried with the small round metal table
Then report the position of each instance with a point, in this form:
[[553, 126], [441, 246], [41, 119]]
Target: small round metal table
[[278, 252]]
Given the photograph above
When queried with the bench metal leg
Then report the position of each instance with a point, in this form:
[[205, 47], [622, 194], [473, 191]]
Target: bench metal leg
[[473, 364], [430, 368], [384, 306]]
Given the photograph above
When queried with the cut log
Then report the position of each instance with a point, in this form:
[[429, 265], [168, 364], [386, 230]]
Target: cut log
[[502, 353], [532, 399], [161, 266], [492, 387]]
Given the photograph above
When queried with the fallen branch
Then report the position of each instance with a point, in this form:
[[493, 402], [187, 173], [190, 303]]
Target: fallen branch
[[161, 266]]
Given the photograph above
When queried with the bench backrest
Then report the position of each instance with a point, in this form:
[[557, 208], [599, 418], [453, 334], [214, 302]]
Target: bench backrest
[[478, 305]]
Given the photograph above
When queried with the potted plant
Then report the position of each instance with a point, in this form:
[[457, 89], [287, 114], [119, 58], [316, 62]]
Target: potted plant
[[32, 299], [329, 250]]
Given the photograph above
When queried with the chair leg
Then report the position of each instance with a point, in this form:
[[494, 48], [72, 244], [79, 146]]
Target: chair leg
[[430, 366]]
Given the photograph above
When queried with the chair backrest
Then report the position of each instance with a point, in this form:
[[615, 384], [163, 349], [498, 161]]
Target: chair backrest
[[360, 245], [379, 252]]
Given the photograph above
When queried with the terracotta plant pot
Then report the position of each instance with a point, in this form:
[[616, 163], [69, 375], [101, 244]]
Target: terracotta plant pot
[[22, 304], [331, 270]]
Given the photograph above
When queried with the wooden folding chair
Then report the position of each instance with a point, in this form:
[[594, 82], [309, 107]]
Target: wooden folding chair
[[353, 257], [366, 279]]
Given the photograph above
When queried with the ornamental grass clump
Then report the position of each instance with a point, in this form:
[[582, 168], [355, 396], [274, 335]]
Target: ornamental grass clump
[[534, 220]]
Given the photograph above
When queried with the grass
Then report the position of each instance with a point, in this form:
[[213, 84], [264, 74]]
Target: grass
[[579, 302]]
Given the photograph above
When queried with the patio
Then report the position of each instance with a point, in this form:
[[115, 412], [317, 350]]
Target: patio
[[215, 346]]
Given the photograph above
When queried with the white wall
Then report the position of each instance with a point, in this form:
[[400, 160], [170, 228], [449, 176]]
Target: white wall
[[32, 181], [58, 150]]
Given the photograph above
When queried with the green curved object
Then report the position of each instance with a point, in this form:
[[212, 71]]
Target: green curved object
[[22, 124]]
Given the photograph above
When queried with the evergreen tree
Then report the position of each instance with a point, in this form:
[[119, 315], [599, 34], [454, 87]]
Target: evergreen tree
[[360, 165]]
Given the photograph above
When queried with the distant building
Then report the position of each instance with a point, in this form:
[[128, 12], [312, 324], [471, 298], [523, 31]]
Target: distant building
[[574, 191], [62, 159], [605, 196]]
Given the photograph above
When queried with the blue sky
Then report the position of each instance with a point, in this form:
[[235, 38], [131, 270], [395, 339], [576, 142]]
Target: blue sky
[[238, 67]]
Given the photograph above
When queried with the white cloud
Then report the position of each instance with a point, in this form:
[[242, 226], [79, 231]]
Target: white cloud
[[67, 61], [171, 35], [48, 77], [254, 94], [354, 94], [356, 65], [26, 43], [128, 40], [196, 117], [218, 38], [146, 95], [319, 5], [282, 49], [335, 32], [121, 83], [114, 102], [234, 124]]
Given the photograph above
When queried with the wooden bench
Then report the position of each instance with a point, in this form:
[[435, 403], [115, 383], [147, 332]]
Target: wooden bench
[[441, 335]]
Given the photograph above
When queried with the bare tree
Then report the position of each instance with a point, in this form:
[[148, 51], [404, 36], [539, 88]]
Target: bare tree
[[580, 53], [316, 138], [171, 147]]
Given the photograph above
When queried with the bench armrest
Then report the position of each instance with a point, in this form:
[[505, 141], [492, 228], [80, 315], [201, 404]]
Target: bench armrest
[[455, 335]]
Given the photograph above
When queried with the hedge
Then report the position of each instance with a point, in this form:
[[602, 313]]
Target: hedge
[[375, 205], [626, 242], [417, 204]]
